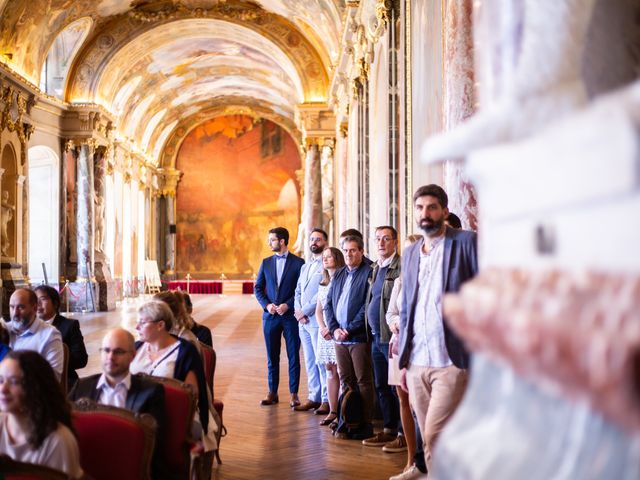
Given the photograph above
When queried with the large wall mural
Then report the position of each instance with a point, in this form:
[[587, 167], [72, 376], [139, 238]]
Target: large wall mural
[[239, 181]]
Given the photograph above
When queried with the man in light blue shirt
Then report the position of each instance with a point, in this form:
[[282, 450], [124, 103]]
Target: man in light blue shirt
[[27, 332], [305, 312]]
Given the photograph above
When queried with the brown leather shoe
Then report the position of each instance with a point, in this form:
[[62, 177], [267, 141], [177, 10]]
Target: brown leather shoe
[[306, 406], [295, 401], [323, 409], [270, 399]]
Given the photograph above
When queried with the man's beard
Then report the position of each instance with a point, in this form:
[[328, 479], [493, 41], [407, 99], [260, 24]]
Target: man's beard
[[431, 228], [17, 326], [316, 249]]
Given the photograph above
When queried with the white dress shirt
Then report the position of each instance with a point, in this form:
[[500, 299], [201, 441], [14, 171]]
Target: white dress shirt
[[115, 396], [44, 339], [429, 348]]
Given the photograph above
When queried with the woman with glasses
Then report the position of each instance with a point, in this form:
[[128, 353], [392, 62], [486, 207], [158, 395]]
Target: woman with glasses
[[35, 417], [163, 354]]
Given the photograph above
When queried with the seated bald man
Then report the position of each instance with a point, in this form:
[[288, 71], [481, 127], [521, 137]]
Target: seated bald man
[[116, 386]]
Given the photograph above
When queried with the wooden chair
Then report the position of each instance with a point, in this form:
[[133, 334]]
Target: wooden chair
[[209, 359], [64, 379], [114, 443], [178, 448], [12, 470]]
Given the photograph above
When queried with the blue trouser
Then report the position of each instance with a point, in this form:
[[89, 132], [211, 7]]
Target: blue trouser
[[274, 327], [387, 397], [316, 374]]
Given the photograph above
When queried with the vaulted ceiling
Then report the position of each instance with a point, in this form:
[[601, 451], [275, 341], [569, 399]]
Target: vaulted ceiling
[[157, 65]]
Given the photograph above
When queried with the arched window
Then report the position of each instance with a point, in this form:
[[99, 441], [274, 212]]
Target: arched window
[[60, 57]]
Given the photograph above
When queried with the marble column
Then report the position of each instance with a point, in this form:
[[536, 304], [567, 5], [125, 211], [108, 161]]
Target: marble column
[[459, 102], [170, 212], [313, 188], [83, 292]]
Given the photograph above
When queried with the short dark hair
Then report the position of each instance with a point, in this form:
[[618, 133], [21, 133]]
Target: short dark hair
[[351, 232], [394, 232], [281, 233], [432, 190], [51, 293], [354, 238], [321, 232], [454, 220]]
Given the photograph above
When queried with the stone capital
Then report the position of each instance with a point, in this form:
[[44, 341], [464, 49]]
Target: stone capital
[[317, 122], [168, 179]]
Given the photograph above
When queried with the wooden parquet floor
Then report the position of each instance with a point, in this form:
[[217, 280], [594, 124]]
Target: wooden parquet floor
[[263, 442]]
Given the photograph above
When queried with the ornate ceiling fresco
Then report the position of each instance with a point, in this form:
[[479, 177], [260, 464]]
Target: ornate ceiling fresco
[[157, 65]]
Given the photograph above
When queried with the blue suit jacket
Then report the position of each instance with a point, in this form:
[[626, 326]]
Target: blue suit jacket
[[460, 263], [267, 290]]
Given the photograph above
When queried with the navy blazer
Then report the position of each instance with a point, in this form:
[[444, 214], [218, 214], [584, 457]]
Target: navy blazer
[[356, 323], [460, 263], [267, 290], [72, 337]]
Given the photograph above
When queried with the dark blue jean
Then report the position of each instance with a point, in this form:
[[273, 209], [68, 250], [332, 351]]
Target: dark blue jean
[[387, 397], [274, 328]]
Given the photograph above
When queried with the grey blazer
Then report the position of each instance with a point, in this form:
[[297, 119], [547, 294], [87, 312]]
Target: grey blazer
[[460, 263]]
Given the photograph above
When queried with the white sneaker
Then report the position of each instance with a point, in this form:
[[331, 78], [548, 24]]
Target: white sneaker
[[409, 473]]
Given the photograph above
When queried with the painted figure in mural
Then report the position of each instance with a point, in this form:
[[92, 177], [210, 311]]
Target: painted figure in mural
[[99, 212], [7, 215]]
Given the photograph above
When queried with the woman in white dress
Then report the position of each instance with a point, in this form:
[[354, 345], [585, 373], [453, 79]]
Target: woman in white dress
[[332, 260], [35, 418]]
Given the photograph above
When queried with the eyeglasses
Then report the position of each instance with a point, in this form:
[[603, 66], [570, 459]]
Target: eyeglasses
[[116, 351], [12, 381], [141, 323]]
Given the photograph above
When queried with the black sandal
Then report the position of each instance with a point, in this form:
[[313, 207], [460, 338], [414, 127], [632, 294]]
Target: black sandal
[[329, 419]]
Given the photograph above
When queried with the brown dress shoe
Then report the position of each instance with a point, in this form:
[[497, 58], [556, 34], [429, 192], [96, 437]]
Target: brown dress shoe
[[306, 406], [295, 401], [270, 399], [323, 409]]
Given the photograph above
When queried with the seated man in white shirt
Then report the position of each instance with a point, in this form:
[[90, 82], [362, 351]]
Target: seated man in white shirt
[[27, 332], [116, 386]]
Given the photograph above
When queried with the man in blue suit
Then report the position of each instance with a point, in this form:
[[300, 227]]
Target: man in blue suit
[[275, 290], [305, 312], [433, 357]]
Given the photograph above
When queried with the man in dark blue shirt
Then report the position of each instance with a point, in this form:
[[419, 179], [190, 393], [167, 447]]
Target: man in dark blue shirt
[[345, 317]]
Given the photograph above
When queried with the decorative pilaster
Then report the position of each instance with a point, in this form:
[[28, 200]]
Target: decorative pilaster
[[107, 295], [312, 188]]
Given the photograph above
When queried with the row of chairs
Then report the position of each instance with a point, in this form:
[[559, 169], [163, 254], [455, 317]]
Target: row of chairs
[[106, 433]]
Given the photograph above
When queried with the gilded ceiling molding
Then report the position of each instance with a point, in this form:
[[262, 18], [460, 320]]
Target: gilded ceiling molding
[[232, 106], [105, 43], [15, 112]]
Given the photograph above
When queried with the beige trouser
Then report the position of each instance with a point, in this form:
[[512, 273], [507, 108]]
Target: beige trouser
[[434, 394]]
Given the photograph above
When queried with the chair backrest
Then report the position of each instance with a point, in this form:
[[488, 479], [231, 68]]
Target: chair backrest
[[180, 407], [12, 470], [209, 359], [65, 369], [114, 443]]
